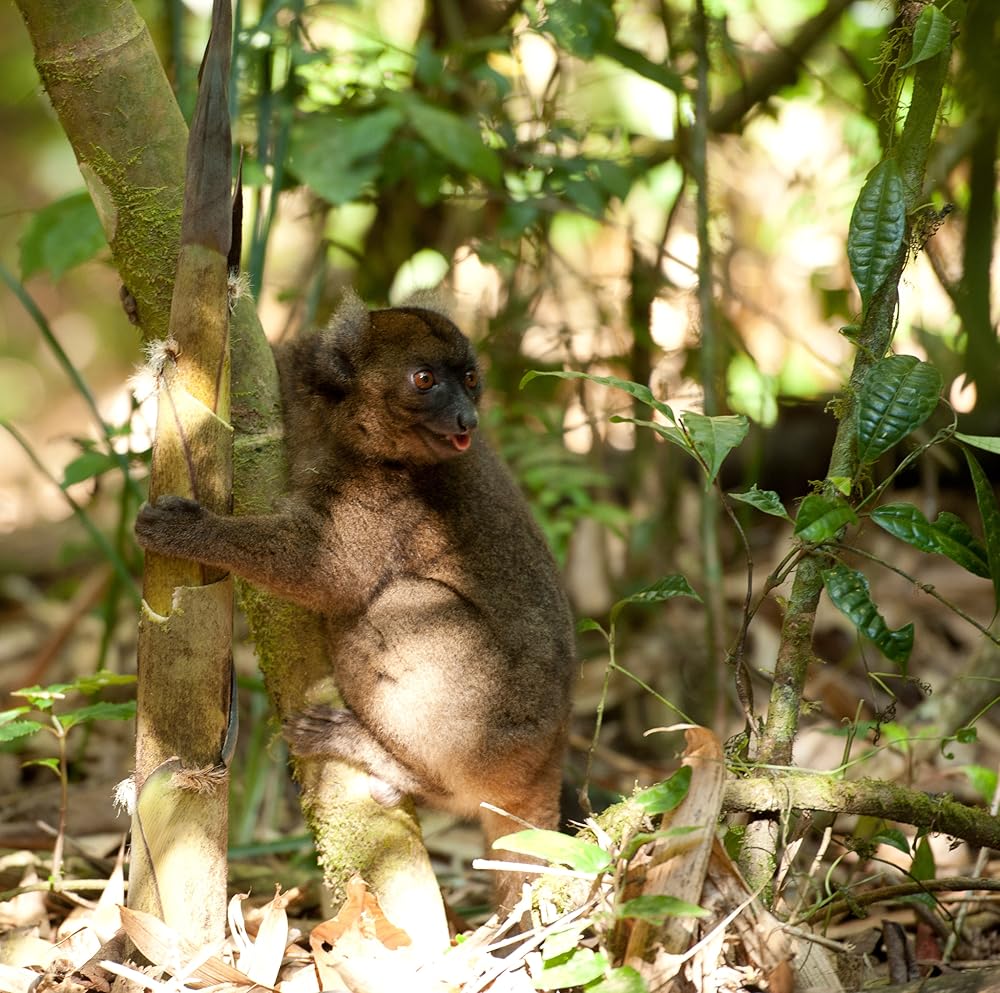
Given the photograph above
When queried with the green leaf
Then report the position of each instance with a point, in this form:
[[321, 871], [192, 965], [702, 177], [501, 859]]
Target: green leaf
[[715, 437], [656, 909], [455, 139], [665, 796], [12, 730], [850, 594], [899, 394], [636, 841], [983, 779], [766, 501], [48, 763], [589, 624], [60, 236], [985, 442], [102, 711], [663, 589], [87, 466], [931, 35], [6, 716], [841, 483], [877, 229], [641, 393], [894, 838], [338, 156], [989, 512], [674, 435], [923, 866], [658, 72], [580, 967], [583, 856], [948, 535], [581, 27], [820, 518], [560, 943], [621, 980]]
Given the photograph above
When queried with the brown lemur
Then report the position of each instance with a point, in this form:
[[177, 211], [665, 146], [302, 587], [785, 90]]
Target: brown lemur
[[449, 634]]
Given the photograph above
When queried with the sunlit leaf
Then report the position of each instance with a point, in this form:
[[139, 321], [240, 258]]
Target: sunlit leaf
[[60, 236], [560, 943], [877, 229], [766, 501], [578, 968], [850, 594], [989, 513], [820, 518], [621, 980], [715, 437], [983, 779], [948, 535], [665, 796], [663, 589], [900, 393], [931, 35], [562, 849]]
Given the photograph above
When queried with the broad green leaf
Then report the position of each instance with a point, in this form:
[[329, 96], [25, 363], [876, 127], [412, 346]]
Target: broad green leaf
[[13, 730], [842, 484], [989, 512], [715, 437], [931, 35], [583, 856], [985, 442], [899, 394], [663, 589], [563, 942], [581, 27], [641, 393], [766, 501], [60, 236], [337, 156], [589, 624], [850, 594], [877, 229], [923, 866], [6, 716], [455, 139], [983, 779], [102, 711], [948, 535], [87, 466], [656, 909], [658, 72], [894, 838], [820, 518], [581, 966], [665, 796], [621, 980]]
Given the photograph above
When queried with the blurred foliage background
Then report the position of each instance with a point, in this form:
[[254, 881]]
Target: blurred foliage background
[[534, 160]]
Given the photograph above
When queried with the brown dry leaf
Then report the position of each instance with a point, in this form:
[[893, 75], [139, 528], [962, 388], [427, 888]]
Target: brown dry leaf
[[361, 947], [162, 945]]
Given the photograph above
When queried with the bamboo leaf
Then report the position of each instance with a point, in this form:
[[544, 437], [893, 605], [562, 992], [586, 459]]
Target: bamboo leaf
[[877, 229], [899, 394], [820, 518], [850, 594], [766, 501], [989, 512], [931, 34], [715, 437], [948, 535]]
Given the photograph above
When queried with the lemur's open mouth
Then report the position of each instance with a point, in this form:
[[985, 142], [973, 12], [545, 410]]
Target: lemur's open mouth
[[461, 441]]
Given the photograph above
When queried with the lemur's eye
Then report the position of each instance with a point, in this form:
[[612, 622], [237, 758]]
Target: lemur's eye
[[472, 379], [423, 379]]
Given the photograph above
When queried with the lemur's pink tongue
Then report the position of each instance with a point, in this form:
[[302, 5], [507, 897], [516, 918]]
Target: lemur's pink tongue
[[460, 441]]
